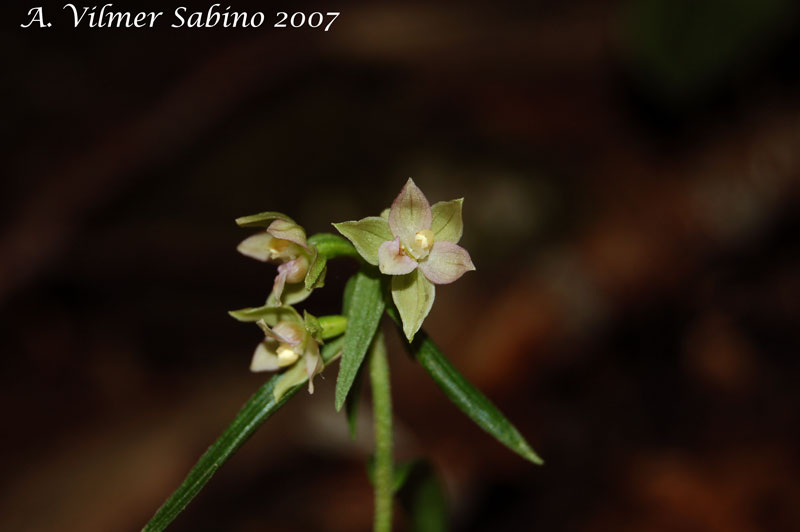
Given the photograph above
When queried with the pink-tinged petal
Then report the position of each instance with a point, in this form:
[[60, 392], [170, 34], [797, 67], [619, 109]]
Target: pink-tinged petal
[[313, 362], [295, 269], [392, 260], [257, 246], [264, 359], [288, 332], [446, 263], [277, 286], [410, 213], [288, 231]]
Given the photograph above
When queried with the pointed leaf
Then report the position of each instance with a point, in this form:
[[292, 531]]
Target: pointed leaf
[[366, 235], [447, 224], [363, 314], [262, 219], [413, 295], [353, 402], [254, 412], [465, 396]]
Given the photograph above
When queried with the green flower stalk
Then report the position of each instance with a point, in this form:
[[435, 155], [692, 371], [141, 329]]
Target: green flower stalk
[[417, 245]]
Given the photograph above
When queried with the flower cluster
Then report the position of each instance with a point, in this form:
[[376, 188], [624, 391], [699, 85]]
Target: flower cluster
[[414, 243]]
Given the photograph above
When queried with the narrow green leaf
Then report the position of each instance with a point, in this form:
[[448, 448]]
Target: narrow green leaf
[[347, 296], [331, 246], [353, 400], [262, 219], [363, 315], [352, 403], [465, 396], [257, 410], [254, 412]]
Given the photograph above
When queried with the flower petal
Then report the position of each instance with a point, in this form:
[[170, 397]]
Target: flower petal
[[447, 224], [313, 363], [410, 213], [392, 260], [262, 219], [290, 378], [413, 296], [446, 263], [288, 332], [278, 284], [256, 246], [289, 231], [264, 359], [366, 235], [295, 269], [292, 294]]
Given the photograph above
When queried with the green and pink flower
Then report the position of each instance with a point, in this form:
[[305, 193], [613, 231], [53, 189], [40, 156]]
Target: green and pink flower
[[415, 243]]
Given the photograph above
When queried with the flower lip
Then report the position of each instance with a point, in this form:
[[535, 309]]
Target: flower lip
[[286, 355]]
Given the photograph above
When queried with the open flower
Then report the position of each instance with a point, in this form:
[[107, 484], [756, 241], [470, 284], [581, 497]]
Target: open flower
[[283, 242], [288, 341], [417, 245]]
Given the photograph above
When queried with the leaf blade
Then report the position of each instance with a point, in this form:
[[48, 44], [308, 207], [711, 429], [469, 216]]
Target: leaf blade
[[465, 396], [252, 414], [364, 310]]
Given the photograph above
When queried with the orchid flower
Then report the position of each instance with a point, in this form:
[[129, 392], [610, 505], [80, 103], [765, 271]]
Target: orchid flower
[[289, 340], [417, 245], [283, 242]]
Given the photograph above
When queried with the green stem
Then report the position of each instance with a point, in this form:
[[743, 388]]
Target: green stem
[[382, 413], [331, 246], [332, 325]]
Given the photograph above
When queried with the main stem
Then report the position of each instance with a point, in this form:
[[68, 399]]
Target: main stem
[[382, 412]]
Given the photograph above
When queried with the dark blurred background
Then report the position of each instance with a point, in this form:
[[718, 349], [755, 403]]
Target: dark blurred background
[[631, 177]]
